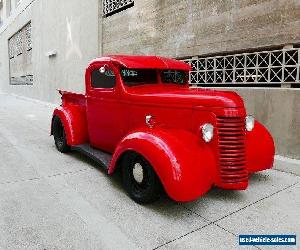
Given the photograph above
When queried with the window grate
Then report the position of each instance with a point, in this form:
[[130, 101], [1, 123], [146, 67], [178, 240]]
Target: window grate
[[20, 56], [266, 68], [20, 42], [111, 7], [27, 31]]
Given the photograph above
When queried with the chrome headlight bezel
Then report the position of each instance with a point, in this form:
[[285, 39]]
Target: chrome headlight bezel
[[207, 132], [249, 123]]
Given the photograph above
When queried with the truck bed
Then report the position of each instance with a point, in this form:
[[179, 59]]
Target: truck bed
[[68, 97]]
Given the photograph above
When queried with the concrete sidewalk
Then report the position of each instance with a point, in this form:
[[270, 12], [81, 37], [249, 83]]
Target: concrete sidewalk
[[50, 200]]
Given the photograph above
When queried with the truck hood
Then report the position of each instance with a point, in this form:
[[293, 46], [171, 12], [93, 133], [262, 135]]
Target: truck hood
[[183, 96]]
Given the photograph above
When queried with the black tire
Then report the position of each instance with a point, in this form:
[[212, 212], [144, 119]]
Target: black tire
[[59, 135], [147, 189]]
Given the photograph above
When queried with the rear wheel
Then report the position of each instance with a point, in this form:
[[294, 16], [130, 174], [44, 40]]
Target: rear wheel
[[59, 134], [139, 179]]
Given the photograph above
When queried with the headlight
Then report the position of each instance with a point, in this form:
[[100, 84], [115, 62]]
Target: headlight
[[207, 132], [249, 123]]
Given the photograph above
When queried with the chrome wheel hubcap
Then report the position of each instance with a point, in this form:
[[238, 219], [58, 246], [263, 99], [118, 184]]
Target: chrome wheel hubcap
[[138, 173]]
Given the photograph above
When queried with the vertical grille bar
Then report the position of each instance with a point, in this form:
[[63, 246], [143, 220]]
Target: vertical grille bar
[[231, 131]]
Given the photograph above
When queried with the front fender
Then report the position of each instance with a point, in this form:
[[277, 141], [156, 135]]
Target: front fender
[[185, 166], [260, 149], [73, 118]]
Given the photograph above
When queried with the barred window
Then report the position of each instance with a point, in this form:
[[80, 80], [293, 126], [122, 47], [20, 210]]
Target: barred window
[[11, 47], [111, 7], [19, 43], [266, 68], [27, 31], [20, 57]]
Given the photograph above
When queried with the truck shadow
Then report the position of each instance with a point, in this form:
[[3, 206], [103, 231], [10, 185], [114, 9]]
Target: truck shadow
[[216, 201], [164, 205], [116, 179], [88, 161], [259, 177]]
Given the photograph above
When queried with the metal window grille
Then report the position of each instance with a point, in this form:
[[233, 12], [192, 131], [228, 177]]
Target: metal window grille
[[28, 41], [112, 6], [20, 41], [11, 48], [257, 69], [19, 49]]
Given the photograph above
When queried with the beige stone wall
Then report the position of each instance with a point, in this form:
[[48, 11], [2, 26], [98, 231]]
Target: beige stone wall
[[197, 27], [178, 29], [279, 110]]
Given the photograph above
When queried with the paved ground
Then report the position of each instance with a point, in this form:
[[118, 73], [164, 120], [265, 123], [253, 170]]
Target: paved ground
[[50, 200]]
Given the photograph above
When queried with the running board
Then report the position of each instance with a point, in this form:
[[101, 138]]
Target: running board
[[97, 155]]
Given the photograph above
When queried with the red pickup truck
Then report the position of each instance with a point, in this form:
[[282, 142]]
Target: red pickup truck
[[139, 115]]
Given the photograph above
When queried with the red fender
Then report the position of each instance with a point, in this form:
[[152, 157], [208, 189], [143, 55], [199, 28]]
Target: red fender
[[74, 121], [260, 149], [184, 164]]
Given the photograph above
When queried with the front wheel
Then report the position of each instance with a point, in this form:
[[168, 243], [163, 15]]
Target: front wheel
[[59, 134], [139, 179]]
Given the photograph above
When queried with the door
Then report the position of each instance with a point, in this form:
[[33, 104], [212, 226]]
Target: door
[[103, 108]]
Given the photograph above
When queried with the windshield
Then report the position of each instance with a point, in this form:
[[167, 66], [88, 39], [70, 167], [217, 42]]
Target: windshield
[[133, 77], [174, 76]]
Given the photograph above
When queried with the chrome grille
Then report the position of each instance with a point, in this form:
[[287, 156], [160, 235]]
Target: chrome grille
[[231, 132]]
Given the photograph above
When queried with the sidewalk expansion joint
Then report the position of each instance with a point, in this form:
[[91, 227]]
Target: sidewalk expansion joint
[[182, 236], [212, 222], [44, 177], [283, 171], [215, 221], [226, 230], [261, 199]]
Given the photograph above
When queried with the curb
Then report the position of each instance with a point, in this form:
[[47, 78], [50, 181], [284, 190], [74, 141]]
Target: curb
[[287, 165]]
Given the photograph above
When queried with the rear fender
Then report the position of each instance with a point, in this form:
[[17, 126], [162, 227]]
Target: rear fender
[[74, 121], [183, 163], [260, 149]]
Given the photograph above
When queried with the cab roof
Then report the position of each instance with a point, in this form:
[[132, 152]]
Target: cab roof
[[144, 62]]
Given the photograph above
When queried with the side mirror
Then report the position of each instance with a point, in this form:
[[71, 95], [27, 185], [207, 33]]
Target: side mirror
[[102, 69], [106, 70]]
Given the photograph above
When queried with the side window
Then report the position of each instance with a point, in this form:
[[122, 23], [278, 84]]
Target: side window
[[103, 78]]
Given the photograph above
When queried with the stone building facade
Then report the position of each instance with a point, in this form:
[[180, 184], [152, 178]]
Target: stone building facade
[[250, 46]]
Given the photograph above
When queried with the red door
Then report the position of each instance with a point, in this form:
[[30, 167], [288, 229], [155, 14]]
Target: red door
[[103, 108]]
